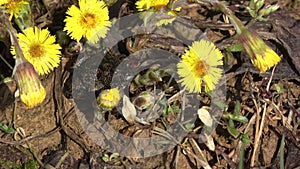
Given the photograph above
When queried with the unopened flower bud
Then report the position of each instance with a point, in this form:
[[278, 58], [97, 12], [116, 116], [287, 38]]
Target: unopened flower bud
[[261, 55], [31, 90], [109, 98], [259, 4], [270, 9]]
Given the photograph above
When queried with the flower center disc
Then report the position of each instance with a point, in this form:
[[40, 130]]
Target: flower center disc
[[12, 4], [89, 20], [200, 69], [36, 51]]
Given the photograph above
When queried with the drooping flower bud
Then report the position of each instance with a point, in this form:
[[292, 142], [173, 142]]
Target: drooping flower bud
[[31, 89], [261, 55]]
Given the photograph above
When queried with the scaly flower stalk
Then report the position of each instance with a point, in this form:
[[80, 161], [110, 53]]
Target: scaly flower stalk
[[32, 92], [261, 55], [31, 89]]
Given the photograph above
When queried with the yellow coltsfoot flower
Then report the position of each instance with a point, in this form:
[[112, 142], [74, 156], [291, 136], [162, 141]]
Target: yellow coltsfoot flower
[[261, 55], [39, 49], [144, 5], [109, 98], [31, 90], [13, 7], [90, 20], [199, 66]]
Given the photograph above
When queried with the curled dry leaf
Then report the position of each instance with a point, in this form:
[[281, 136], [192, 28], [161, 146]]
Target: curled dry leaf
[[128, 110], [205, 117], [210, 142]]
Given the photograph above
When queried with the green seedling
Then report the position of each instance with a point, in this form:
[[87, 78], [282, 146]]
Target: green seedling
[[259, 11], [235, 48], [279, 89], [30, 164], [245, 138], [111, 158], [151, 77], [189, 126], [172, 108], [7, 129], [234, 116]]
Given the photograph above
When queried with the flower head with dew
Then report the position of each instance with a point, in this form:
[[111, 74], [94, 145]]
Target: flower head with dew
[[13, 7], [198, 66], [90, 20], [144, 5], [32, 92], [39, 49], [109, 98], [261, 55]]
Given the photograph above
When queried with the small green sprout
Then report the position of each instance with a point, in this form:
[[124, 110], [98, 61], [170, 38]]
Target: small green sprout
[[234, 116], [279, 89], [259, 11], [172, 108], [111, 158], [245, 138], [7, 129]]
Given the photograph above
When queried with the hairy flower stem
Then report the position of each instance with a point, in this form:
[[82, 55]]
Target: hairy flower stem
[[237, 23], [13, 37]]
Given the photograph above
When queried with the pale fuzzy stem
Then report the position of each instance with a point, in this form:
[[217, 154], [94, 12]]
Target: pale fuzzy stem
[[13, 37], [237, 23]]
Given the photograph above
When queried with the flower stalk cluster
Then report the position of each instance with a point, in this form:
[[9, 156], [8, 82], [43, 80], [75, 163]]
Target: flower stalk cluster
[[37, 54]]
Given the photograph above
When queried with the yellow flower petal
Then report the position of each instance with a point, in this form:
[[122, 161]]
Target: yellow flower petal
[[143, 5], [198, 66]]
